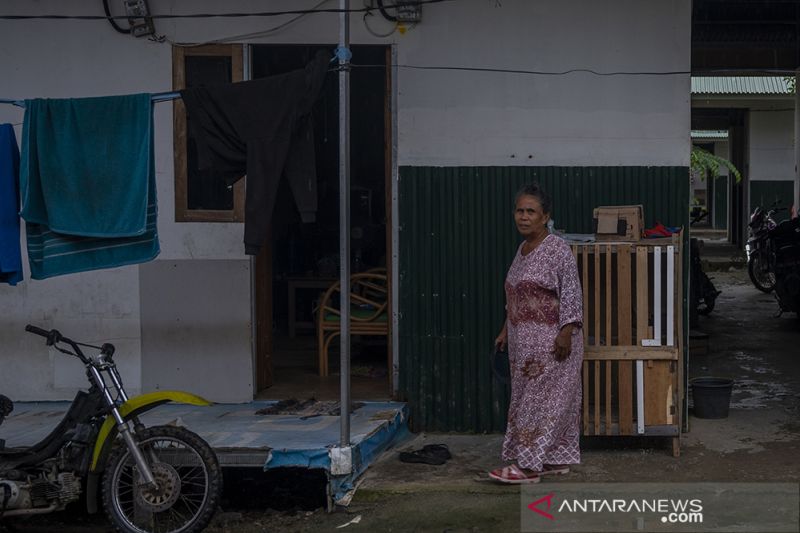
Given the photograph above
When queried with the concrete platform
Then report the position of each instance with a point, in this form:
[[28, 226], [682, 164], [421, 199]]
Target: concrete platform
[[242, 438]]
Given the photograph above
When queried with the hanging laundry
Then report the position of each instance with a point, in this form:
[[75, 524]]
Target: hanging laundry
[[261, 128], [10, 253], [88, 183]]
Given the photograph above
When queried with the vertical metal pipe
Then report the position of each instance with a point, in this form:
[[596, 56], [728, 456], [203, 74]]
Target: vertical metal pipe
[[395, 234], [344, 219], [796, 197], [247, 74]]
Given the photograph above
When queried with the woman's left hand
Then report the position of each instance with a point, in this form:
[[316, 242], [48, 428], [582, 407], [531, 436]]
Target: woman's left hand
[[563, 344]]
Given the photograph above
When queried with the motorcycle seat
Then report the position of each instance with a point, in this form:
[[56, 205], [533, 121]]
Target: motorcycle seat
[[786, 229], [6, 453]]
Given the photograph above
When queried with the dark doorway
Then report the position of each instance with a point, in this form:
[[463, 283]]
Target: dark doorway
[[735, 121], [304, 259]]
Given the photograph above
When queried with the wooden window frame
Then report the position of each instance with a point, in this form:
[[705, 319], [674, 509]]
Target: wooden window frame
[[182, 211]]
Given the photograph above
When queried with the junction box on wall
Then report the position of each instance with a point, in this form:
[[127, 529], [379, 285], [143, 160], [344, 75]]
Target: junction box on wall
[[408, 11]]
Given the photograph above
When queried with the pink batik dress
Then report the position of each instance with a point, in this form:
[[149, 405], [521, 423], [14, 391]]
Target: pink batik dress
[[543, 294]]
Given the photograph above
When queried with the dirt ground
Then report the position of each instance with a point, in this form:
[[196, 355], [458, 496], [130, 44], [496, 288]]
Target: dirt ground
[[759, 441]]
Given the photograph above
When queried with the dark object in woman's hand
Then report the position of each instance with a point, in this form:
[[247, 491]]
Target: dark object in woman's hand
[[563, 344]]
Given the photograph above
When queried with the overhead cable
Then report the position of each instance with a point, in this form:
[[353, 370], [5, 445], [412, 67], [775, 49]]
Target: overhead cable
[[784, 72], [261, 14], [532, 72]]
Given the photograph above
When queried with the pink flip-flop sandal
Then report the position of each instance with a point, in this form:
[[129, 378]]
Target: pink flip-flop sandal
[[513, 475], [554, 469]]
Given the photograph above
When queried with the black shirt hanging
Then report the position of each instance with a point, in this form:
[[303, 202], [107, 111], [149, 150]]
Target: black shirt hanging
[[261, 128]]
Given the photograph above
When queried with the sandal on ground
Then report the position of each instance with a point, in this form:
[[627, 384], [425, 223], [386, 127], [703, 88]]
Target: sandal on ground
[[513, 475], [554, 469], [430, 454]]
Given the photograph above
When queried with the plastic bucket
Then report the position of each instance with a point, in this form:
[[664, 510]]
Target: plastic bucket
[[712, 397]]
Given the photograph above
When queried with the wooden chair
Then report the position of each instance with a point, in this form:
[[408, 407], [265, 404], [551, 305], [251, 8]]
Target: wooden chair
[[368, 312]]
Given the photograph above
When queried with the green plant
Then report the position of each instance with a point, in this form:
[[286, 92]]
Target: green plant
[[704, 163]]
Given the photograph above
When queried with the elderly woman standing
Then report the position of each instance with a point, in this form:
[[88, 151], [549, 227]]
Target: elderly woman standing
[[544, 310]]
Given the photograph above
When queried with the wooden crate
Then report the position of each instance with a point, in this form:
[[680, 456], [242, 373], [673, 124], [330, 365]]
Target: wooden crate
[[633, 359]]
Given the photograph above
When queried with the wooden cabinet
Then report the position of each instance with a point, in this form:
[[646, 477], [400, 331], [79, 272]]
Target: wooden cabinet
[[633, 335]]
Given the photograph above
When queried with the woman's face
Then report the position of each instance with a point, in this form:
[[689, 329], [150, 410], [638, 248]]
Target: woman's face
[[528, 215]]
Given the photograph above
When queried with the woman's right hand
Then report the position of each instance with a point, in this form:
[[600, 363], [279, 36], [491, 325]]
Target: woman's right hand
[[501, 342]]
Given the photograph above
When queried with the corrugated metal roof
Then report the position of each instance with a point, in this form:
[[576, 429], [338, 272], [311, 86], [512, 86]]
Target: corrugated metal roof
[[740, 85], [709, 134]]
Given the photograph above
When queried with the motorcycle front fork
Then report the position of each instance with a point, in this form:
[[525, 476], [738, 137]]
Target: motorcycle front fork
[[133, 447]]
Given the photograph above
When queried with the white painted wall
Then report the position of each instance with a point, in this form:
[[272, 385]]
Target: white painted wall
[[444, 118], [772, 145], [469, 118], [61, 59], [194, 328]]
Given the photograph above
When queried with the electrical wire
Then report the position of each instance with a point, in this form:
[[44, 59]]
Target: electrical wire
[[384, 13], [376, 34], [590, 71], [370, 30], [261, 33], [124, 31], [533, 72], [261, 14]]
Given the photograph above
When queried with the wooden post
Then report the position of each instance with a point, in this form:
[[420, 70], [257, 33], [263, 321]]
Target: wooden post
[[624, 368]]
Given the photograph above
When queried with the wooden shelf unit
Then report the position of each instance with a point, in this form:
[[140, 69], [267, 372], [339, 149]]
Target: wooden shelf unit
[[633, 335]]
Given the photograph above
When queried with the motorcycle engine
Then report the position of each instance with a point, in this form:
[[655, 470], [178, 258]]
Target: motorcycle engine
[[42, 492], [14, 496]]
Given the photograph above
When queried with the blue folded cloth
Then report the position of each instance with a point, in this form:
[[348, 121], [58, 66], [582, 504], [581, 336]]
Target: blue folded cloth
[[88, 185], [10, 253]]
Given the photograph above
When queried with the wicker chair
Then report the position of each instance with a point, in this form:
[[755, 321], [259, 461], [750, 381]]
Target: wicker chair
[[368, 312]]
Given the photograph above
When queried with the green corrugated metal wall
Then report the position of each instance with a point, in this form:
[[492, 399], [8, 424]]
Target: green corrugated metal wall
[[457, 238]]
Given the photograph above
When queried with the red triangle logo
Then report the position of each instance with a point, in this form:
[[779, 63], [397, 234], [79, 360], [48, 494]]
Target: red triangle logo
[[535, 506]]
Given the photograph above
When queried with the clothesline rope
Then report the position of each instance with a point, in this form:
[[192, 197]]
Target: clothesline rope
[[157, 97]]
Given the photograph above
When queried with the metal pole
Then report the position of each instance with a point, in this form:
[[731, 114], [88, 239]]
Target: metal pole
[[796, 196], [344, 218]]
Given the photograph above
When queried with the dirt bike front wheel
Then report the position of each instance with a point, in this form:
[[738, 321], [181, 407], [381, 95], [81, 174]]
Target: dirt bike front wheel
[[189, 480], [760, 275]]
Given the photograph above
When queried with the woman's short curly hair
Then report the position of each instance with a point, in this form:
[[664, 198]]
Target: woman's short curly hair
[[533, 189]]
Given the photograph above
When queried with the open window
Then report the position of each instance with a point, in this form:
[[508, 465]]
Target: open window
[[198, 196]]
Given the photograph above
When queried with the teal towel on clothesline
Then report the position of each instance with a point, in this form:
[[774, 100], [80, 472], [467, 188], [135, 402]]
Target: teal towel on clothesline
[[54, 254], [88, 184], [85, 164]]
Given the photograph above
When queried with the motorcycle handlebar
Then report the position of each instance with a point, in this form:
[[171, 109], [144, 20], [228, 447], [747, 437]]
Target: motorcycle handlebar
[[30, 328], [52, 336]]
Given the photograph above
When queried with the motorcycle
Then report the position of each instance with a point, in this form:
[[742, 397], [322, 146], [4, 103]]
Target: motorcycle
[[785, 243], [759, 252], [156, 479]]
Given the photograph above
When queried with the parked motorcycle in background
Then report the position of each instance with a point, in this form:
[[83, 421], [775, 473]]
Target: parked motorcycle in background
[[785, 245], [759, 252], [156, 479]]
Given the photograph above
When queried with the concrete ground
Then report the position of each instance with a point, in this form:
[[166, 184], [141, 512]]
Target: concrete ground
[[759, 441]]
